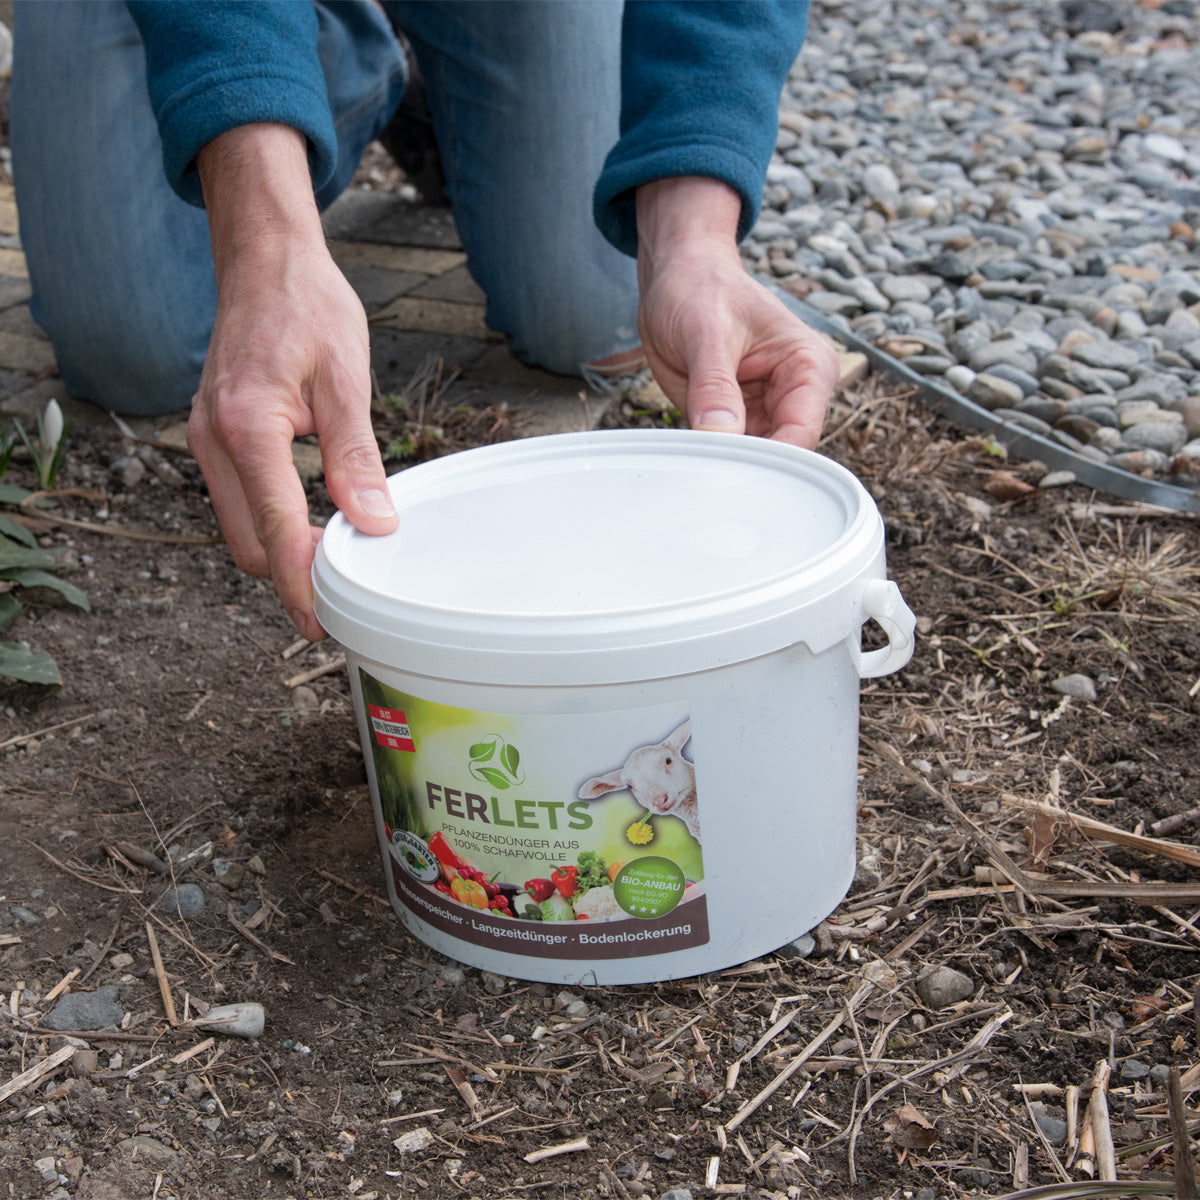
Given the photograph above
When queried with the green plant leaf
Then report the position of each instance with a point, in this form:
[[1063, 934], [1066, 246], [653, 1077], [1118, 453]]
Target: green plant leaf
[[30, 577], [13, 557], [511, 759], [10, 493], [10, 609], [482, 751], [18, 662], [492, 776], [18, 533]]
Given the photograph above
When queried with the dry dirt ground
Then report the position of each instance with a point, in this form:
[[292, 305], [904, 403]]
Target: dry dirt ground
[[386, 1071]]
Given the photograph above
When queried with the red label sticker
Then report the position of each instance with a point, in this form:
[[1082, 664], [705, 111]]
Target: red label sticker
[[391, 728]]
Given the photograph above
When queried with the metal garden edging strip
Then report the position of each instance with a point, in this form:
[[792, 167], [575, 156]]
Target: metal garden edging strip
[[1019, 440]]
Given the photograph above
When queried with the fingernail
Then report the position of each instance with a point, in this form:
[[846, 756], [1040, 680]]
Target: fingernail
[[718, 418], [300, 620], [376, 502]]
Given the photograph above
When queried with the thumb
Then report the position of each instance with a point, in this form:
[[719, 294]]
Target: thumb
[[355, 477], [714, 397]]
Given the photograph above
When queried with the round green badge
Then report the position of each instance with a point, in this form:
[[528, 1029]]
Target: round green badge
[[649, 887]]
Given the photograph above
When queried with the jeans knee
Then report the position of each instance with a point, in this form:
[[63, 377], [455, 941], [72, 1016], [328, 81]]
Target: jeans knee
[[561, 325], [138, 367]]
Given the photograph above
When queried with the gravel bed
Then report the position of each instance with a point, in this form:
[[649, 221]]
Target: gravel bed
[[1006, 197]]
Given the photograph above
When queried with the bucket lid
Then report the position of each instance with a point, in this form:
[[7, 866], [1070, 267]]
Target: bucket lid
[[604, 557]]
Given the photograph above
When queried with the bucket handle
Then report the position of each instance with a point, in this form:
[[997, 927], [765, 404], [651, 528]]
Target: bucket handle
[[883, 604]]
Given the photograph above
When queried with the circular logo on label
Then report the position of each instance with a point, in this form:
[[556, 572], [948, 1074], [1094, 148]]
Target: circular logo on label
[[649, 887], [414, 856]]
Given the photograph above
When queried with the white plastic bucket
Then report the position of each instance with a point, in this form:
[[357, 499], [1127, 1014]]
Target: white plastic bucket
[[639, 648]]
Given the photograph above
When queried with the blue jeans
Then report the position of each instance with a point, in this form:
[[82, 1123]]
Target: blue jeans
[[525, 99]]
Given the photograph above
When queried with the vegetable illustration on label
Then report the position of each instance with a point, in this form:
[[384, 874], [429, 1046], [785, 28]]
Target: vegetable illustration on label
[[477, 816]]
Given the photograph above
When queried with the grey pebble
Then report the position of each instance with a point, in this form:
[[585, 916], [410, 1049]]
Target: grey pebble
[[1054, 1130], [676, 1194], [128, 472], [1026, 381], [493, 984], [1081, 687], [86, 1010], [991, 392], [1056, 479], [25, 915], [227, 873], [186, 900], [944, 986], [1166, 438], [1134, 1068], [1014, 416], [801, 947], [453, 975]]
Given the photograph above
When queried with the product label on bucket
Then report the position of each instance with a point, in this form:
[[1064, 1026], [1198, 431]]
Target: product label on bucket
[[559, 835]]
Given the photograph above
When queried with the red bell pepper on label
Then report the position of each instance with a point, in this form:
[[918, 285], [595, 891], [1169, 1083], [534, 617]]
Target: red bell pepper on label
[[440, 849], [539, 889], [563, 879]]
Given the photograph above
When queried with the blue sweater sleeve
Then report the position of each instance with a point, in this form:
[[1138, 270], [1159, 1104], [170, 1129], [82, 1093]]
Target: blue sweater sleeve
[[700, 85], [214, 66]]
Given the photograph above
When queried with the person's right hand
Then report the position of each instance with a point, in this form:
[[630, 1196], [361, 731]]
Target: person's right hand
[[288, 356]]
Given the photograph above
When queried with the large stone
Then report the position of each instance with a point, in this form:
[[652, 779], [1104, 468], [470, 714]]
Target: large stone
[[1107, 355], [880, 183], [1189, 408], [1166, 438], [990, 391], [86, 1010], [1080, 687], [1008, 350], [944, 986]]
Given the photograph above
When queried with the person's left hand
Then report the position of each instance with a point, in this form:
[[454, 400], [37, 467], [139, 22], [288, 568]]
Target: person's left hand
[[724, 350]]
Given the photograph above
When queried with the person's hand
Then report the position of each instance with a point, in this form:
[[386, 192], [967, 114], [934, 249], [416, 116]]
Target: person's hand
[[725, 351], [288, 356]]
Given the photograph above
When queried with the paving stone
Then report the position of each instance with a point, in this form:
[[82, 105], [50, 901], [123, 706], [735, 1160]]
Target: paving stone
[[8, 210], [398, 354], [377, 287], [406, 225], [428, 316], [455, 285], [17, 318], [419, 259], [12, 264], [19, 353]]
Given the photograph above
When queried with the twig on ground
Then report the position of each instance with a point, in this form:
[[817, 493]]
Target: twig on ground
[[126, 891], [250, 936], [536, 1156], [329, 668], [1109, 833], [1185, 1171], [160, 974], [876, 977], [30, 1076], [61, 986], [21, 738], [1098, 1120], [1167, 824]]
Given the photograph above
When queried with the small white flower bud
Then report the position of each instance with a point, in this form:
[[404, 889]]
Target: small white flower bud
[[52, 428]]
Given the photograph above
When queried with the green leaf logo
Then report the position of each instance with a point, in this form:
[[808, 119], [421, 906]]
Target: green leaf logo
[[490, 775], [511, 759], [505, 769]]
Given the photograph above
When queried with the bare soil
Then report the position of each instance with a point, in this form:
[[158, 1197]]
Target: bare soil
[[180, 726]]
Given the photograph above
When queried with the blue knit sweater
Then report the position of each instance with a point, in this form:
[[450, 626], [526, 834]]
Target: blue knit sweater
[[700, 85]]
